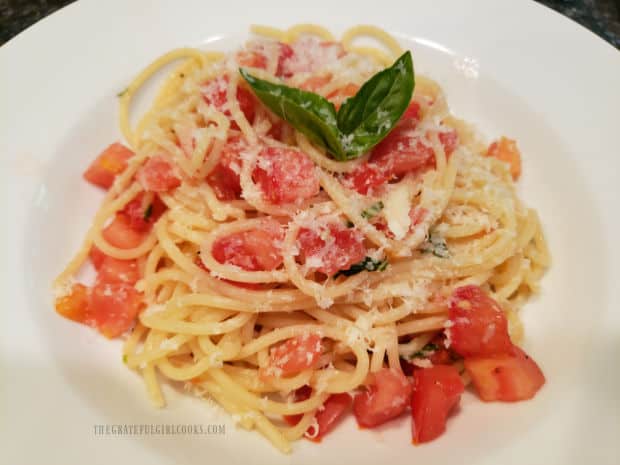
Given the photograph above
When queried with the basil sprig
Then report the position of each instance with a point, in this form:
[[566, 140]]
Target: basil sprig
[[361, 122]]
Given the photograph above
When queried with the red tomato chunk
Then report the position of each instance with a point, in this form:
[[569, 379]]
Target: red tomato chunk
[[479, 325], [254, 250], [157, 175], [294, 355], [387, 398], [224, 179], [285, 175], [331, 249], [111, 162], [436, 391], [511, 377]]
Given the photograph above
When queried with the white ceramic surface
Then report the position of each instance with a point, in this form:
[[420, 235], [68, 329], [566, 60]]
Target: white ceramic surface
[[511, 67]]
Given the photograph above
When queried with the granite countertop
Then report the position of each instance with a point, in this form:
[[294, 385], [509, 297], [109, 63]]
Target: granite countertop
[[600, 16]]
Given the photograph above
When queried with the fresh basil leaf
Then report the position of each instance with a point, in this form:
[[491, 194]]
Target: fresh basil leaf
[[366, 118], [148, 212], [309, 113], [436, 245], [368, 264], [427, 350], [373, 210]]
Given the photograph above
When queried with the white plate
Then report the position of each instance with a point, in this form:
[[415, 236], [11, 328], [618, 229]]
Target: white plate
[[513, 68]]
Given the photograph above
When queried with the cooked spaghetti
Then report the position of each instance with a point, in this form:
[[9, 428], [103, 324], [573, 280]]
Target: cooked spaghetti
[[240, 258]]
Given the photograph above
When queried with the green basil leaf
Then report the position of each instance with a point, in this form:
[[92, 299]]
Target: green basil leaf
[[309, 113], [373, 210], [436, 245], [366, 118], [368, 264], [427, 350]]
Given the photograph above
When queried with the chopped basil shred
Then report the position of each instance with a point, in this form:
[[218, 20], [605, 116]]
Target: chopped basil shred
[[435, 244], [362, 120], [427, 350], [148, 212], [368, 264], [122, 92], [373, 210]]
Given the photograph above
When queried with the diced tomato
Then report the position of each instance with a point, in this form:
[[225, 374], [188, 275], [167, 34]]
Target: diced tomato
[[214, 93], [225, 176], [506, 150], [119, 233], [113, 270], [111, 162], [436, 391], [286, 53], [252, 59], [509, 378], [366, 177], [294, 355], [310, 55], [96, 256], [387, 398], [114, 307], [314, 83], [75, 305], [449, 140], [328, 415], [253, 250], [341, 248], [285, 175], [300, 394], [142, 213], [478, 324], [412, 112], [157, 175]]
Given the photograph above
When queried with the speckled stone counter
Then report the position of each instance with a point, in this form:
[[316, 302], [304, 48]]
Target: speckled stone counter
[[600, 16]]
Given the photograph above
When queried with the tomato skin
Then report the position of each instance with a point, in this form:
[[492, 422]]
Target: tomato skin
[[506, 150], [436, 391], [286, 53], [113, 270], [108, 164], [294, 355], [478, 324], [387, 398], [345, 247], [96, 256], [509, 377], [366, 177], [74, 306], [327, 416], [285, 175], [253, 250], [300, 394], [224, 179], [119, 233], [157, 175], [114, 307], [214, 93]]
